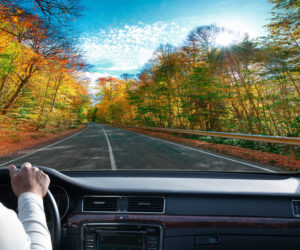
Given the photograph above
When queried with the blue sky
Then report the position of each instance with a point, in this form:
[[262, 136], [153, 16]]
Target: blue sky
[[119, 36]]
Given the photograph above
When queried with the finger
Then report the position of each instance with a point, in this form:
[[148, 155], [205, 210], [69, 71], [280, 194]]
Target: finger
[[35, 169], [12, 170], [26, 166], [45, 175]]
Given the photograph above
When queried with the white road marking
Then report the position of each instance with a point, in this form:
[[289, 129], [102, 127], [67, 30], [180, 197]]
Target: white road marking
[[219, 156], [111, 154], [43, 148]]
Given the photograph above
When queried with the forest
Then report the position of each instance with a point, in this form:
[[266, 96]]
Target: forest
[[249, 87], [40, 67]]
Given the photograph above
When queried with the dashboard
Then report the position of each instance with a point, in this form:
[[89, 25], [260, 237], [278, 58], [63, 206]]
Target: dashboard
[[155, 210]]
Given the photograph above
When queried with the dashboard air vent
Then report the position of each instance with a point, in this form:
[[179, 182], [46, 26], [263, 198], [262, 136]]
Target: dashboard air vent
[[296, 208], [100, 204], [146, 204]]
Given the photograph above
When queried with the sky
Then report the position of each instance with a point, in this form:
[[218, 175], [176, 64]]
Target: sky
[[120, 36]]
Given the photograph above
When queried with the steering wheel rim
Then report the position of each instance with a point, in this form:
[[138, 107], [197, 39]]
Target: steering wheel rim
[[56, 237], [49, 199]]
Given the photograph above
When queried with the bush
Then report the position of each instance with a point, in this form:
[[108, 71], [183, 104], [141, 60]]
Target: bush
[[262, 146]]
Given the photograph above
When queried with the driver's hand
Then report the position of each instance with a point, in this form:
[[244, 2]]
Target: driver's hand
[[28, 179]]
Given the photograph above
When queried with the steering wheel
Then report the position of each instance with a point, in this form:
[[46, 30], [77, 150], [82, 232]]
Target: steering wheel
[[52, 209], [55, 230]]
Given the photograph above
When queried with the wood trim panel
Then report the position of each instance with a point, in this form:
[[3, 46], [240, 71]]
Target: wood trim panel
[[177, 221]]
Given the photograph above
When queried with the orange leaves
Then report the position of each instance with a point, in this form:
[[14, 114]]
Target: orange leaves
[[15, 23], [15, 20], [38, 80], [23, 136], [20, 11], [114, 105]]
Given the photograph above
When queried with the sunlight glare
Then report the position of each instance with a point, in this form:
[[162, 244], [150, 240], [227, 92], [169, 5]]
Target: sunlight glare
[[226, 38]]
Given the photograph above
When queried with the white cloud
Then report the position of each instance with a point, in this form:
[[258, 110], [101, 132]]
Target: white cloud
[[127, 49]]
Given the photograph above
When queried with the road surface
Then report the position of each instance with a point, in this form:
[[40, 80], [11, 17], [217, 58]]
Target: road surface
[[109, 148]]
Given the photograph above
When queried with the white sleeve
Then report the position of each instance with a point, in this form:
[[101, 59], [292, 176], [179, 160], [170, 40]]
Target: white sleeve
[[32, 216], [12, 233]]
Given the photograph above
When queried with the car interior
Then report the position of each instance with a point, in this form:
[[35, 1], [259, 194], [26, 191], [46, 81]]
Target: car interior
[[169, 210]]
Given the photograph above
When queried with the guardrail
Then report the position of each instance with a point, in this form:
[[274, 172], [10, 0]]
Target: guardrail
[[292, 142]]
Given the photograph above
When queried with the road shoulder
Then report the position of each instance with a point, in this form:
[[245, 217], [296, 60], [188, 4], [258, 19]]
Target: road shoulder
[[276, 161], [14, 149]]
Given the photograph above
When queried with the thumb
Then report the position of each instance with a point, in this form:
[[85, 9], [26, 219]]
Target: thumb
[[12, 170]]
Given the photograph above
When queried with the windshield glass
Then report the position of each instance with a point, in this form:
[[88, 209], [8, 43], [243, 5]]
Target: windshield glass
[[200, 85]]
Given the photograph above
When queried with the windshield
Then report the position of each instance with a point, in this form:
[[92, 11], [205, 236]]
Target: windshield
[[194, 85]]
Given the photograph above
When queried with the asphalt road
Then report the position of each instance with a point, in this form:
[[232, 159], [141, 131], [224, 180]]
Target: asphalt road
[[109, 148]]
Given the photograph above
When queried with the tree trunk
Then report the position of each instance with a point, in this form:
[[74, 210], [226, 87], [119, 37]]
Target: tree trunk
[[243, 80], [15, 95], [4, 79], [55, 94], [294, 83], [40, 124]]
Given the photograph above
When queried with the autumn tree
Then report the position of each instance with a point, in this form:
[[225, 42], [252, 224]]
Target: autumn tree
[[250, 86], [61, 11], [39, 80]]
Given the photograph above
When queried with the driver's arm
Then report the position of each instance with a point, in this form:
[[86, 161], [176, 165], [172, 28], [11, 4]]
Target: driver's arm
[[31, 214], [30, 186]]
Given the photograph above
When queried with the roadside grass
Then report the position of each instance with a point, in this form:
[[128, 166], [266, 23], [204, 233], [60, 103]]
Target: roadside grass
[[261, 146], [19, 136]]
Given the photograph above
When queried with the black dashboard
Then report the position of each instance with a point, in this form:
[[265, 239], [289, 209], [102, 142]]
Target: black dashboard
[[173, 210]]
